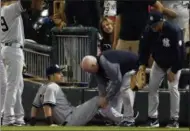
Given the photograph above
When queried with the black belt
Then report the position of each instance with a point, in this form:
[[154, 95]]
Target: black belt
[[10, 44]]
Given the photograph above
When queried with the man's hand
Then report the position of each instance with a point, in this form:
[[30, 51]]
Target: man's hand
[[171, 76], [103, 102]]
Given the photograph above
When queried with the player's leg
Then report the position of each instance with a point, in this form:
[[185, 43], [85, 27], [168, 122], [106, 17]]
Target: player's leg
[[84, 112], [111, 111], [14, 70], [3, 83], [3, 86], [174, 101], [156, 77], [19, 111], [117, 102], [128, 97]]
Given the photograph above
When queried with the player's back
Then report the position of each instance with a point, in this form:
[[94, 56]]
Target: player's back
[[11, 22]]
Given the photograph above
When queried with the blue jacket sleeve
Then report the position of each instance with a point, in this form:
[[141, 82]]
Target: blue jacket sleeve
[[178, 47], [113, 73], [144, 49]]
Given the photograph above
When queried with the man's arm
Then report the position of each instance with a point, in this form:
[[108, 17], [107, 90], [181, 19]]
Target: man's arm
[[144, 50], [102, 85], [34, 113], [36, 105], [113, 73], [117, 28], [179, 49], [166, 11], [49, 102]]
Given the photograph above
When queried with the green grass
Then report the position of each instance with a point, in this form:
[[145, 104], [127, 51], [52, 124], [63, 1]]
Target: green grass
[[87, 128]]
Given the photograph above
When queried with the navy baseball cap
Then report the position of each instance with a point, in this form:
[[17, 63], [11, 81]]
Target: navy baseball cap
[[53, 69], [155, 17]]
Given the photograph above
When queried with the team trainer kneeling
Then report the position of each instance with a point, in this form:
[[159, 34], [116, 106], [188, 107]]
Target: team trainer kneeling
[[112, 72]]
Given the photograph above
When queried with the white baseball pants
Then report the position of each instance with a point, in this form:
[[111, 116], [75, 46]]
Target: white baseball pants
[[13, 109]]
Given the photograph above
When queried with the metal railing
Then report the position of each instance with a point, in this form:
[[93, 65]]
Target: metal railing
[[70, 45], [37, 58]]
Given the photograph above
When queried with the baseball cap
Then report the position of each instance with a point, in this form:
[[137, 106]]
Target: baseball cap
[[53, 69], [155, 17]]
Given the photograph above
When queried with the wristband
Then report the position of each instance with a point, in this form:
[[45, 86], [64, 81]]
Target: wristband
[[33, 121], [49, 120]]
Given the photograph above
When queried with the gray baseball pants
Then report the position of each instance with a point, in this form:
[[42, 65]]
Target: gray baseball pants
[[83, 113], [156, 77]]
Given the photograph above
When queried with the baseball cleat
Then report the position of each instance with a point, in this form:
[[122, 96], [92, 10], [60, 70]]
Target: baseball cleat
[[173, 123], [127, 124], [152, 122]]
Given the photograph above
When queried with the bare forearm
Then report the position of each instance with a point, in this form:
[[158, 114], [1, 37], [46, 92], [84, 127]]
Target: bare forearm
[[116, 30], [169, 13], [48, 114], [34, 111], [166, 11], [47, 110]]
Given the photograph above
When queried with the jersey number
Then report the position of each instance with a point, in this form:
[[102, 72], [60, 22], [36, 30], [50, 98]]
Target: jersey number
[[4, 24]]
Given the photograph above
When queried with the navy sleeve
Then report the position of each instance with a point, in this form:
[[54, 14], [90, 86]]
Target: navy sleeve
[[113, 72], [177, 46], [102, 85], [144, 48]]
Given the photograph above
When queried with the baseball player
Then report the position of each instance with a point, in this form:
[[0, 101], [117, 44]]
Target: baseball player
[[12, 40], [111, 69], [56, 107], [164, 41], [2, 80]]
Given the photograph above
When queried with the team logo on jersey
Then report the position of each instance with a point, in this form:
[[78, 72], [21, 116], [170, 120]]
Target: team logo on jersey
[[166, 42], [180, 43]]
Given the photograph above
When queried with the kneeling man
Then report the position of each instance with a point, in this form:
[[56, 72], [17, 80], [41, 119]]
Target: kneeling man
[[112, 72]]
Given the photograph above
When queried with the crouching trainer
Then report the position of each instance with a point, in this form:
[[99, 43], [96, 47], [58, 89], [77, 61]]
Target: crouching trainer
[[111, 69]]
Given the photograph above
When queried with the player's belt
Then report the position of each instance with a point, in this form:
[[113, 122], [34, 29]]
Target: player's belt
[[13, 45]]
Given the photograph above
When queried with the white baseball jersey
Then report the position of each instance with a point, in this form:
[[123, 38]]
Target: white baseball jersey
[[181, 8], [51, 93], [12, 25], [109, 8]]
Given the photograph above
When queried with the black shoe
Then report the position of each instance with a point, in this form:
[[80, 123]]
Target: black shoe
[[127, 124], [173, 123], [152, 122]]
